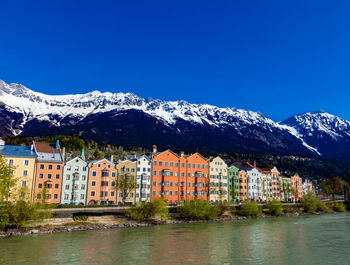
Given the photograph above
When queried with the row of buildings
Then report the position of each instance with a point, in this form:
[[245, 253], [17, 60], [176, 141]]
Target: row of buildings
[[42, 173]]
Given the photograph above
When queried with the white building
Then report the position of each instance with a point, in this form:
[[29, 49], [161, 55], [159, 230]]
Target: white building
[[143, 178], [218, 180], [255, 185]]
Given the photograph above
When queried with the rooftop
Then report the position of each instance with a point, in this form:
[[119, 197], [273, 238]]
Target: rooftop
[[17, 151]]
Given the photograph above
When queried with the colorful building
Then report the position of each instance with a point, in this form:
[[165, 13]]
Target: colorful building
[[102, 182], [126, 169], [22, 158], [143, 178], [267, 186], [275, 183], [233, 182], [243, 185], [48, 174], [218, 180], [255, 187], [285, 189], [75, 181], [308, 187], [179, 178], [297, 187]]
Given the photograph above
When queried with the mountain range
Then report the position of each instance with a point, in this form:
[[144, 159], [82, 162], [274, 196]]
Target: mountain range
[[129, 120]]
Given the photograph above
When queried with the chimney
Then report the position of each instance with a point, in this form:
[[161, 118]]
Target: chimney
[[154, 149], [182, 153], [111, 159], [64, 154]]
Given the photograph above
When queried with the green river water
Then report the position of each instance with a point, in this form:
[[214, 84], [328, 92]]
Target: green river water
[[323, 239]]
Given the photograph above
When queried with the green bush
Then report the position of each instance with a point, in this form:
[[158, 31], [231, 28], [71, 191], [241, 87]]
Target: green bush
[[337, 206], [80, 217], [198, 210], [275, 207], [250, 208], [145, 211], [4, 217], [311, 204], [291, 208]]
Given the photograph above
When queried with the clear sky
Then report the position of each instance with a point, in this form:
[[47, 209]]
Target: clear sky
[[277, 57]]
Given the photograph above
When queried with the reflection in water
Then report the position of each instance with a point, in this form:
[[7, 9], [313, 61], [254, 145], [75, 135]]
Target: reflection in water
[[295, 240]]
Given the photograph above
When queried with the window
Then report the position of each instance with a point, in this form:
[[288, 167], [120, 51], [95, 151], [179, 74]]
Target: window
[[171, 164], [58, 167], [25, 173], [104, 183], [83, 177], [50, 167], [154, 183], [138, 169], [26, 162], [42, 166], [92, 193], [104, 174], [82, 187], [112, 193], [165, 164], [66, 196], [154, 163], [76, 168], [104, 193], [189, 165], [160, 163], [182, 164], [41, 176], [93, 183], [24, 183], [40, 185], [82, 196], [49, 176], [67, 177], [94, 173], [98, 165], [154, 193], [67, 187], [154, 173], [84, 168], [56, 186], [55, 196]]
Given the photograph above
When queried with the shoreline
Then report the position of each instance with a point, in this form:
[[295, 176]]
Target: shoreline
[[14, 232]]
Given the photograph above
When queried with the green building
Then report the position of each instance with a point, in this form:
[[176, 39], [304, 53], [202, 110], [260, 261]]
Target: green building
[[233, 181], [285, 189]]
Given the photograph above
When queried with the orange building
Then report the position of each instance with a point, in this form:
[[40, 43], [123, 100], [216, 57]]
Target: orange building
[[49, 169], [102, 182], [243, 190], [178, 178], [297, 186]]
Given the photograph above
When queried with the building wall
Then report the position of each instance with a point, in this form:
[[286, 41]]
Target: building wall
[[218, 180], [179, 178], [24, 170], [48, 174], [233, 182], [275, 174], [127, 168], [102, 188], [255, 188], [243, 185], [143, 178], [75, 182], [297, 185], [285, 189]]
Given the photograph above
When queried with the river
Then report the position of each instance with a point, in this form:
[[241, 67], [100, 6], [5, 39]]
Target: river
[[323, 239]]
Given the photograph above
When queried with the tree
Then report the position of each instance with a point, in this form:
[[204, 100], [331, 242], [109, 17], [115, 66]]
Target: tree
[[125, 185], [7, 180], [333, 185], [96, 154]]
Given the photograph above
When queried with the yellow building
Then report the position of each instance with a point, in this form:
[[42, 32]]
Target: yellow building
[[126, 168], [22, 158]]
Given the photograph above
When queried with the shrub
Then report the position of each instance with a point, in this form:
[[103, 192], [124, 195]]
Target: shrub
[[291, 208], [337, 206], [275, 207], [198, 210], [250, 208], [20, 213], [145, 211], [80, 217], [311, 204], [4, 217]]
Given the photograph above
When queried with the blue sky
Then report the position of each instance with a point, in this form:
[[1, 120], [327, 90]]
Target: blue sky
[[277, 57]]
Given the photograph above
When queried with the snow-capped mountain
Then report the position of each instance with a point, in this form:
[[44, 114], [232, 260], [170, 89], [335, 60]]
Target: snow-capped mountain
[[126, 119]]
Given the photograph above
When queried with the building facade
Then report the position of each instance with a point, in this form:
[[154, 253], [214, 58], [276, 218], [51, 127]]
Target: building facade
[[75, 181], [233, 181], [285, 189], [48, 174], [179, 178], [297, 187], [243, 185], [22, 159], [143, 178], [255, 188], [218, 180], [102, 182], [275, 174], [308, 187], [126, 169]]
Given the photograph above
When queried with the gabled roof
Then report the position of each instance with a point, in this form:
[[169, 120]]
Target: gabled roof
[[196, 153], [168, 150], [42, 147], [17, 151], [144, 155], [78, 157], [100, 160]]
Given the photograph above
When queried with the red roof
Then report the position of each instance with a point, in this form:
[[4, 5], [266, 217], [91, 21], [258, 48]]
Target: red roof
[[46, 148]]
